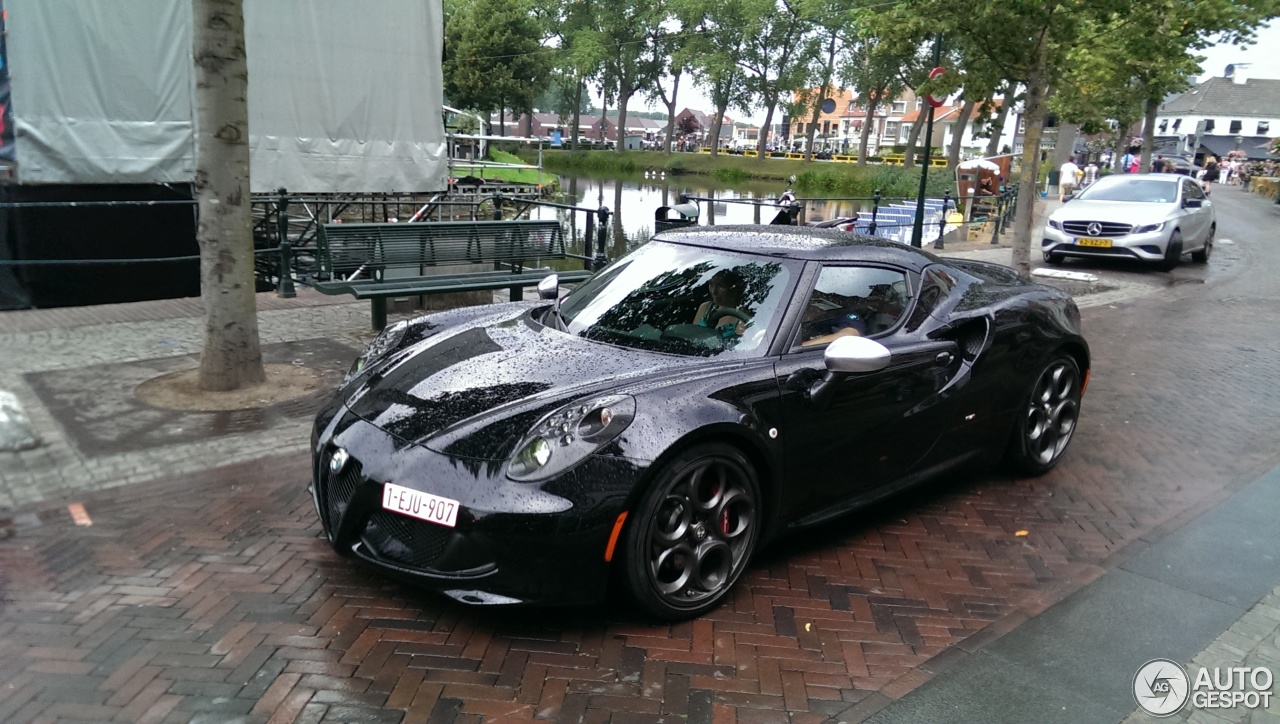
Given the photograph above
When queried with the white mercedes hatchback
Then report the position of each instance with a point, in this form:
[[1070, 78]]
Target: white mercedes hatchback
[[1153, 217]]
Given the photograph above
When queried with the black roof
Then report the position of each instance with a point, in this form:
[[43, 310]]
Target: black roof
[[801, 242]]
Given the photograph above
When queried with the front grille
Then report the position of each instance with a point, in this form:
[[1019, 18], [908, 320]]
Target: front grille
[[1100, 251], [413, 543], [339, 489], [1108, 229]]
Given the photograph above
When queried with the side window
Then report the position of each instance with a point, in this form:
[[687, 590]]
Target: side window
[[853, 300], [1192, 190]]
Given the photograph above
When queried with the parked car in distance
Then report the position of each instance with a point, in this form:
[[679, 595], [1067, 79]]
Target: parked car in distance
[[1154, 218], [713, 390]]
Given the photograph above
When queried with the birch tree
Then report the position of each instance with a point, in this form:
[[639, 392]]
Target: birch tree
[[232, 356]]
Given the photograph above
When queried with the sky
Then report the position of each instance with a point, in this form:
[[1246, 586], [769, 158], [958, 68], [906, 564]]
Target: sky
[[1263, 53]]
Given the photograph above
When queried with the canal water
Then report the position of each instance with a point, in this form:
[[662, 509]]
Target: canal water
[[634, 201]]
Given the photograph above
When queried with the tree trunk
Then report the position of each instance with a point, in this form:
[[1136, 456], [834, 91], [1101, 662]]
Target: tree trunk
[[1028, 184], [912, 139], [1149, 133], [577, 115], [872, 102], [957, 134], [232, 357], [620, 130], [671, 113], [997, 128], [764, 134], [717, 124]]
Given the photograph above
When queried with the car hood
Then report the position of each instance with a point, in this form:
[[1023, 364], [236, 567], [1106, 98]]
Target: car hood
[[475, 389], [1124, 212]]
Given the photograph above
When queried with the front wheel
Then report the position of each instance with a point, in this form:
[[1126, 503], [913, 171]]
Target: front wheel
[[1172, 252], [693, 532], [1048, 419]]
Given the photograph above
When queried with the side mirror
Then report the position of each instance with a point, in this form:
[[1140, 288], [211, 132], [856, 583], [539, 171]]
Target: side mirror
[[549, 287], [849, 355], [1068, 197], [856, 354], [1192, 203]]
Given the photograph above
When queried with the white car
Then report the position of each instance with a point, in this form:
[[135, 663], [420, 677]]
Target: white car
[[1152, 217]]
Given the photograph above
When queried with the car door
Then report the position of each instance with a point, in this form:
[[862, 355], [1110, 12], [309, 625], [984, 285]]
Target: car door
[[1196, 219], [873, 428]]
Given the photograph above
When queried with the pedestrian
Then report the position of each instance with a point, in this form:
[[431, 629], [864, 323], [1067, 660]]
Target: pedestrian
[[1090, 175], [1135, 164], [1211, 172], [1067, 178], [1126, 162], [1158, 166]]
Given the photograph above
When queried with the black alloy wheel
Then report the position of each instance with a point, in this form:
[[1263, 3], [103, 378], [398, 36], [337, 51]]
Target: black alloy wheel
[[1048, 418], [693, 532], [1202, 256]]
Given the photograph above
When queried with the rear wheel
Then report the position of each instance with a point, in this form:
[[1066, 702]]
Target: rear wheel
[[1202, 256], [693, 533], [1048, 419], [1172, 252]]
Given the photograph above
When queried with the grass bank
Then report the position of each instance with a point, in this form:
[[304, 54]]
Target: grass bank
[[813, 177]]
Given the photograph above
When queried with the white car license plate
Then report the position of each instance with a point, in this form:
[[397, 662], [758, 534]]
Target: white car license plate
[[420, 505], [1100, 243]]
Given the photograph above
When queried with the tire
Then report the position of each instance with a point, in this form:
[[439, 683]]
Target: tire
[[1202, 256], [1172, 252], [1047, 420], [1053, 259], [693, 532]]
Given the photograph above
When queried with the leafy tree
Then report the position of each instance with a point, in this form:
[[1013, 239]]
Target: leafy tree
[[622, 44], [714, 53], [494, 57], [232, 355], [776, 53]]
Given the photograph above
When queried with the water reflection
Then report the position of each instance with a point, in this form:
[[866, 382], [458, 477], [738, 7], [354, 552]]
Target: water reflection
[[633, 202]]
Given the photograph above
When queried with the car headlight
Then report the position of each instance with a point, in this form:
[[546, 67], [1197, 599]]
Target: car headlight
[[567, 436], [1054, 224], [1147, 228], [387, 341]]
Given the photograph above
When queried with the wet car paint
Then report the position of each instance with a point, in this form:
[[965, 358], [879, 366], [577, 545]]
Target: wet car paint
[[443, 412]]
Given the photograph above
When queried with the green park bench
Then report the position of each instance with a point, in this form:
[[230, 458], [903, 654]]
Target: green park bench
[[355, 258]]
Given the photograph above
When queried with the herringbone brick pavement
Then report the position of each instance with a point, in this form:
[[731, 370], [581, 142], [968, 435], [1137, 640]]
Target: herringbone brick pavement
[[214, 598]]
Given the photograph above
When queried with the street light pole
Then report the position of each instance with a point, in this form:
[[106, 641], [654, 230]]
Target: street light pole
[[917, 228]]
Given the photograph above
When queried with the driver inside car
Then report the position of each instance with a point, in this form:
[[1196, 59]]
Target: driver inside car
[[722, 312]]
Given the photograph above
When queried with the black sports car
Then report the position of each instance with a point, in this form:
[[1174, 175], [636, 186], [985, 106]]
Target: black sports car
[[713, 390]]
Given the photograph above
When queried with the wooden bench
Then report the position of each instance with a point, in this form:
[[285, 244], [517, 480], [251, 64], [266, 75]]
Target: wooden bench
[[354, 258]]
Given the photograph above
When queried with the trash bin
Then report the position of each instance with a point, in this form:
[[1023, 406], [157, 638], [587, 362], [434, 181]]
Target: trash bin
[[682, 214]]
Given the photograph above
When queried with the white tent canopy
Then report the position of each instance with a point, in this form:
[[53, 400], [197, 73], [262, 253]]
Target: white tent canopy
[[344, 96]]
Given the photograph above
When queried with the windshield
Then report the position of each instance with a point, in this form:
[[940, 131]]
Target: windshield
[[682, 300], [1146, 190]]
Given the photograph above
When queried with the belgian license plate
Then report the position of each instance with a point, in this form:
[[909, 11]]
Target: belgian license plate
[[420, 505], [1101, 243]]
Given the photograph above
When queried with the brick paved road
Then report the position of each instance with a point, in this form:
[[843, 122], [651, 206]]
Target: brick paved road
[[210, 596]]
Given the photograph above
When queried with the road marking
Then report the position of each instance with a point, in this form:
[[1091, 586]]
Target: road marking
[[1226, 242], [79, 514]]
